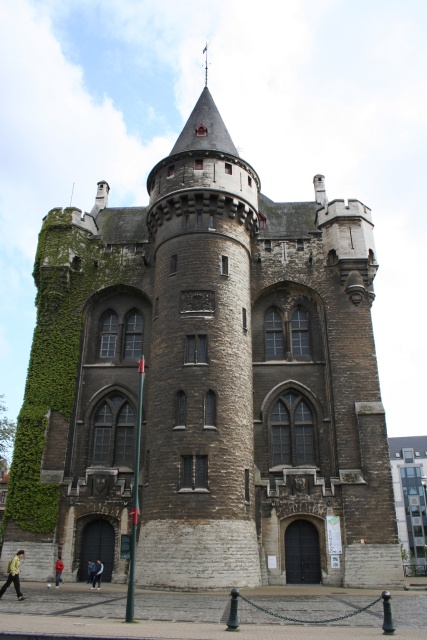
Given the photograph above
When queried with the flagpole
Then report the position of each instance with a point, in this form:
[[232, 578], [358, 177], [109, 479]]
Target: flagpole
[[135, 503]]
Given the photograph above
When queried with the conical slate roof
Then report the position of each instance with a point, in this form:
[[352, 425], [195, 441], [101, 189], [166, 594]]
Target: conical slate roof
[[217, 137]]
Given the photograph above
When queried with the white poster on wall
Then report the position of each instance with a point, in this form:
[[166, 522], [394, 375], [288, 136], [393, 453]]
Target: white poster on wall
[[334, 535], [272, 562]]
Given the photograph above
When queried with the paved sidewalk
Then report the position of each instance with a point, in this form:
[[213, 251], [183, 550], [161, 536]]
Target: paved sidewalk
[[74, 611]]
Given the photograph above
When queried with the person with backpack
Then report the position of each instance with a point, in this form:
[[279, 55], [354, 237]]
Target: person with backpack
[[13, 571], [98, 575]]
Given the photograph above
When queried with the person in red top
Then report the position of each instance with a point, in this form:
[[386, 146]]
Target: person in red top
[[59, 568]]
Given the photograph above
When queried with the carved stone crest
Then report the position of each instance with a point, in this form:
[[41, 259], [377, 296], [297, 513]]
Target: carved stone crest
[[300, 484], [101, 485], [197, 301]]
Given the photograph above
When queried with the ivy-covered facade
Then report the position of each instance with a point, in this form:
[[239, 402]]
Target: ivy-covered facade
[[263, 433]]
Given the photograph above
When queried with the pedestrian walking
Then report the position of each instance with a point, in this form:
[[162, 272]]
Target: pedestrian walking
[[91, 570], [13, 571], [98, 575], [59, 568]]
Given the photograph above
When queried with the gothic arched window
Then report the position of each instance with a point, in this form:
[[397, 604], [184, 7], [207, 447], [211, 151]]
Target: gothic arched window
[[274, 338], [114, 432], [210, 409], [300, 333], [103, 427], [134, 327], [292, 431], [108, 328], [125, 436]]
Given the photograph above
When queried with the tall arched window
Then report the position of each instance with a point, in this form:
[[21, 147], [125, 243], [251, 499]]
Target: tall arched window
[[210, 409], [304, 437], [114, 432], [292, 431], [180, 409], [108, 328], [125, 436], [134, 327], [300, 333], [274, 339], [103, 427]]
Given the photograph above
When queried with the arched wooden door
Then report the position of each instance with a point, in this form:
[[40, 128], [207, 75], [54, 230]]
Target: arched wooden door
[[98, 543], [302, 553]]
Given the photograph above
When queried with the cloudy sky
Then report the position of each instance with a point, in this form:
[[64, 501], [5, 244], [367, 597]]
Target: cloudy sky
[[95, 90]]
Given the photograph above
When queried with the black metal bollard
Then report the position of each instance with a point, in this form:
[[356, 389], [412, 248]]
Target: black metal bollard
[[388, 624], [233, 619]]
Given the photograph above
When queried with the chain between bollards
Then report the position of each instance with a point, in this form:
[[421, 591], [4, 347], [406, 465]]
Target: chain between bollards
[[388, 624], [233, 619], [233, 622]]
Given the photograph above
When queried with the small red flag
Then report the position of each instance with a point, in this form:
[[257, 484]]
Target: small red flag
[[141, 364]]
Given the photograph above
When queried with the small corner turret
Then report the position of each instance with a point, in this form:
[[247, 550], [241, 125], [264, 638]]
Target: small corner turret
[[348, 241], [101, 200]]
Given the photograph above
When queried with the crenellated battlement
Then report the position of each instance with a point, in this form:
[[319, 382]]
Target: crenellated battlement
[[338, 208], [193, 202]]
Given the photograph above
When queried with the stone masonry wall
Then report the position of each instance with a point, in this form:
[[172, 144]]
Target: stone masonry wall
[[198, 554]]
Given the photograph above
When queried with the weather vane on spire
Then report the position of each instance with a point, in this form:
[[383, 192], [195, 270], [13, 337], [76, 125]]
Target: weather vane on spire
[[205, 51]]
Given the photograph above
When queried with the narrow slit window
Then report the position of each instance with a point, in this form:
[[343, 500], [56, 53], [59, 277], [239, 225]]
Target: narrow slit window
[[198, 165], [244, 319], [210, 409], [224, 265], [173, 264], [228, 168]]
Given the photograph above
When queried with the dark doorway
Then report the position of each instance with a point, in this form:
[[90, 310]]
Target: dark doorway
[[302, 553], [98, 544]]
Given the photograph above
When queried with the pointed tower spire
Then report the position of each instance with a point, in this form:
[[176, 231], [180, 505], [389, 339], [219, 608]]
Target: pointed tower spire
[[205, 129]]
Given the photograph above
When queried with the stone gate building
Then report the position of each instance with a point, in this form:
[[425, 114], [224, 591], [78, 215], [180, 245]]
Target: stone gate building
[[264, 454]]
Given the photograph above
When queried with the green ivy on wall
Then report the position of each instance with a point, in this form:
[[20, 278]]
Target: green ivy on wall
[[52, 372]]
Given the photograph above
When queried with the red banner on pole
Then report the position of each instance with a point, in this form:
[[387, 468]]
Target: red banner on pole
[[134, 514], [141, 364]]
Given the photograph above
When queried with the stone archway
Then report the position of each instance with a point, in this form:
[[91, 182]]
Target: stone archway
[[97, 543]]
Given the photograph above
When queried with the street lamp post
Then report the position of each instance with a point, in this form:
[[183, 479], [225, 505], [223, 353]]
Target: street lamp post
[[135, 503]]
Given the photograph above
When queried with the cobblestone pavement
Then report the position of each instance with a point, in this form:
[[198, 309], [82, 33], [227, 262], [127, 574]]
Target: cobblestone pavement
[[78, 601]]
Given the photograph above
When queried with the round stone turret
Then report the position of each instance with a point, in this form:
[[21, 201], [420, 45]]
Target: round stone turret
[[199, 493]]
